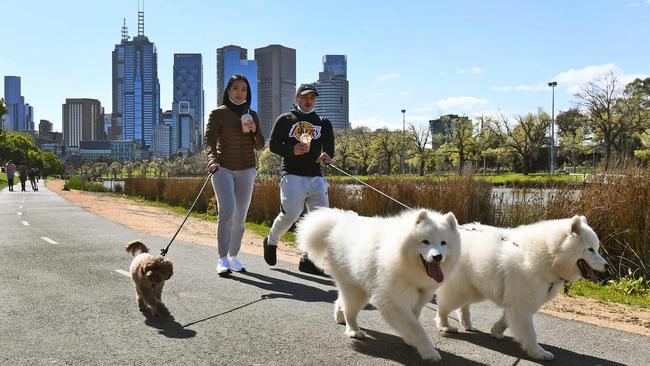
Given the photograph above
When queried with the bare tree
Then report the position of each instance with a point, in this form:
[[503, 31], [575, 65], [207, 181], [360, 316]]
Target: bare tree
[[610, 115], [420, 138]]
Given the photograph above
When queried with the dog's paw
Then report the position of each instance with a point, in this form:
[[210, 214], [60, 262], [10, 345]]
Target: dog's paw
[[448, 329], [540, 353], [357, 334], [162, 311], [339, 317], [430, 354], [497, 332]]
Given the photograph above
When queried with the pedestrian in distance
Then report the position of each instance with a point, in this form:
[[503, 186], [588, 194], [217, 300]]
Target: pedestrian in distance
[[232, 134], [31, 174], [22, 171], [304, 140], [10, 169]]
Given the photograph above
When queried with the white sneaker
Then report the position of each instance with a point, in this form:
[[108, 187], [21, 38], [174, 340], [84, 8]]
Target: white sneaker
[[236, 265], [223, 267]]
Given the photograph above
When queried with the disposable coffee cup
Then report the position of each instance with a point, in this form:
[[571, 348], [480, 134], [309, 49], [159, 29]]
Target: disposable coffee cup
[[305, 138], [246, 122]]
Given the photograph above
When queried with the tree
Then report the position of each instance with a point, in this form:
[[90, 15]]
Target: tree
[[572, 130], [420, 138], [611, 113], [462, 140], [362, 138], [387, 145], [343, 149], [270, 163], [3, 107], [116, 167], [525, 138]]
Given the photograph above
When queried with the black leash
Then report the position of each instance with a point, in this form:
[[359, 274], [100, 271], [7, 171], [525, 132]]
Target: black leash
[[369, 186], [164, 251]]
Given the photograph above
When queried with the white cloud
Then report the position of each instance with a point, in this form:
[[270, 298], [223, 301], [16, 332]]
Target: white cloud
[[387, 76], [573, 79], [460, 103], [372, 122], [460, 71], [476, 70]]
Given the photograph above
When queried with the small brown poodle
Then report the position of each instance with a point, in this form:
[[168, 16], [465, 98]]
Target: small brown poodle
[[149, 273]]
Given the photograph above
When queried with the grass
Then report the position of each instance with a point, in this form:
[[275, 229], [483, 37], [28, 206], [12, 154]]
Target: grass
[[611, 292], [3, 180]]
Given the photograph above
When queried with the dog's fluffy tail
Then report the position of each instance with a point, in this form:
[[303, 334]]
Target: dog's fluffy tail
[[135, 247], [312, 232]]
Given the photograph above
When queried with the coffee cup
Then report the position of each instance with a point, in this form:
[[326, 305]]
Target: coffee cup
[[247, 123], [305, 138]]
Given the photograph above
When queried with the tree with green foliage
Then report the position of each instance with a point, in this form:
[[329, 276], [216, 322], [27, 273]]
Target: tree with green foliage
[[363, 156], [462, 141], [525, 138], [343, 150], [3, 107], [269, 163], [387, 146], [572, 131]]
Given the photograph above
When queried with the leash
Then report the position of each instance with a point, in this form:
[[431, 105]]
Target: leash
[[369, 186], [164, 251]]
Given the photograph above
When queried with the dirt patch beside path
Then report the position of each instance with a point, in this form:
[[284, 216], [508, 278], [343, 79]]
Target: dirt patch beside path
[[164, 223]]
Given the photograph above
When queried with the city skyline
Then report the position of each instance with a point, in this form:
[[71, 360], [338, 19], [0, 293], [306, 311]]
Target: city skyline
[[430, 59]]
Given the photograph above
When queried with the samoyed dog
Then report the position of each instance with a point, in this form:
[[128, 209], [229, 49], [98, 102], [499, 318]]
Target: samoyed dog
[[395, 262], [519, 269]]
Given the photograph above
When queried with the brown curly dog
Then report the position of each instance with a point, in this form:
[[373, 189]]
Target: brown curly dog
[[149, 273]]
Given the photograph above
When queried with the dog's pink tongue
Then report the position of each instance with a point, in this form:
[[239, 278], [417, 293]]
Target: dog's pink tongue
[[587, 271], [433, 270]]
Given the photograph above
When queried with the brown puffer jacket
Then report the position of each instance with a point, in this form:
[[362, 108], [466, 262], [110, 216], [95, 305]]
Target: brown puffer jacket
[[226, 144]]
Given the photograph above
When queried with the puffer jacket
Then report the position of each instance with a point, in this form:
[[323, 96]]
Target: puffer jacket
[[226, 144]]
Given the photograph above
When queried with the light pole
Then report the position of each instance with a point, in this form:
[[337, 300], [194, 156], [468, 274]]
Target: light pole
[[552, 84], [403, 138]]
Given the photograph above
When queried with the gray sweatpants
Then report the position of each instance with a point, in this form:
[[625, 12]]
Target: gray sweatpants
[[296, 192], [233, 189]]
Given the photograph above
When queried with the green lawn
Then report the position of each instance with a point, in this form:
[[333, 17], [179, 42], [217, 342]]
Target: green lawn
[[610, 293], [3, 180]]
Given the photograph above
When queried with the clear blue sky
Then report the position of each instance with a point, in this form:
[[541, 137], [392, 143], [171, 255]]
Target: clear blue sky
[[428, 57]]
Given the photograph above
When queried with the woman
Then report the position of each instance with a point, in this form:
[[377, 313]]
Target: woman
[[231, 159]]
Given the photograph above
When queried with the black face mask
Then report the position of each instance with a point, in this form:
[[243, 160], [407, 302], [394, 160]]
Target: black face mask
[[239, 110]]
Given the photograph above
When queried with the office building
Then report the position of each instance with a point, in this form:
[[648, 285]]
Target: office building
[[82, 120], [333, 91], [136, 89], [233, 60], [188, 104], [15, 102], [276, 82], [45, 128]]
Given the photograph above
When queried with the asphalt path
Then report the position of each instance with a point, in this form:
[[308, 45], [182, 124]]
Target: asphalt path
[[64, 299]]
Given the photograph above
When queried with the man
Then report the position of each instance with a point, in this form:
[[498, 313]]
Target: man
[[10, 169], [22, 170], [303, 140]]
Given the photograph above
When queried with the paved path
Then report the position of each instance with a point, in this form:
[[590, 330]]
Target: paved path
[[65, 300]]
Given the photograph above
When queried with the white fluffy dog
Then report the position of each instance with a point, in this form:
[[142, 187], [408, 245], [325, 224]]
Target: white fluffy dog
[[397, 261], [519, 269]]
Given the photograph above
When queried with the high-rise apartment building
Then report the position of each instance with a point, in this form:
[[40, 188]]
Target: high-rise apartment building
[[187, 129], [333, 91], [233, 60], [276, 83], [136, 89], [82, 120], [15, 102], [44, 127]]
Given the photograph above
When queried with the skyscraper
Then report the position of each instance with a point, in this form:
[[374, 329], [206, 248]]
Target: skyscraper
[[333, 91], [233, 60], [15, 104], [136, 89], [276, 75], [45, 128], [187, 128], [82, 121]]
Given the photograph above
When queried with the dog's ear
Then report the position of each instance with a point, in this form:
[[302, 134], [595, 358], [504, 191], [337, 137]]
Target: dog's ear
[[451, 220], [169, 269], [577, 222], [422, 215]]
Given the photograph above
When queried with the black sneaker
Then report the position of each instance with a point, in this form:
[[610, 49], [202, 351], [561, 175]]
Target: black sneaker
[[308, 266], [269, 252]]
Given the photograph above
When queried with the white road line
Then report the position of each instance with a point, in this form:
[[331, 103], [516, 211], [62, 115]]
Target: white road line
[[20, 213], [20, 206], [48, 240], [25, 223], [123, 273]]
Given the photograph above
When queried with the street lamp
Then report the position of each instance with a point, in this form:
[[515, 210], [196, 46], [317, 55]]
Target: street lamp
[[403, 138], [552, 84]]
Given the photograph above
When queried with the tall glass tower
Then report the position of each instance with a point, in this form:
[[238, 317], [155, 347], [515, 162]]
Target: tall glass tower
[[233, 60], [333, 91], [15, 104], [136, 89], [187, 126]]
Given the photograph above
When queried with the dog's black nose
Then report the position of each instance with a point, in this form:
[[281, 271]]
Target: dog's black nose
[[606, 266], [438, 258]]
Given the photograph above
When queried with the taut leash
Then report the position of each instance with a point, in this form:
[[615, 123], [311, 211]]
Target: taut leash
[[369, 186], [164, 250]]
